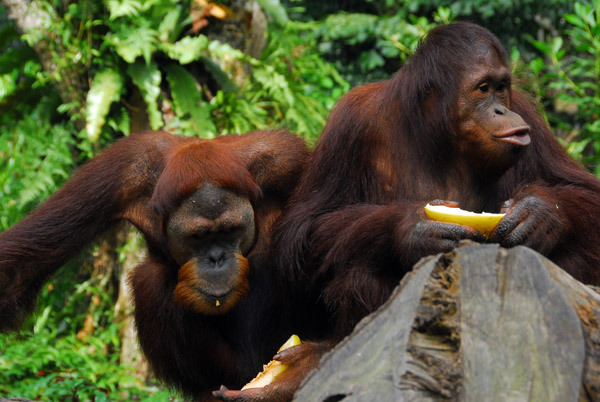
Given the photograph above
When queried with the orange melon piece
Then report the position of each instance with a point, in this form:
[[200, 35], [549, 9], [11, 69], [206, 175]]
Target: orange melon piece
[[273, 369], [483, 222]]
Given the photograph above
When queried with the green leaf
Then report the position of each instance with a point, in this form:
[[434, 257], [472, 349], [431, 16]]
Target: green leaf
[[132, 43], [221, 50], [557, 44], [186, 50], [188, 101], [7, 85], [42, 319], [326, 82], [120, 122], [541, 46], [123, 8], [276, 85], [584, 11], [371, 60], [443, 14], [574, 20], [275, 10], [105, 89], [169, 25], [147, 78]]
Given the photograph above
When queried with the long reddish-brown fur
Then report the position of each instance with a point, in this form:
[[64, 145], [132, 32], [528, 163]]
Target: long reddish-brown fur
[[142, 179], [348, 234], [198, 161]]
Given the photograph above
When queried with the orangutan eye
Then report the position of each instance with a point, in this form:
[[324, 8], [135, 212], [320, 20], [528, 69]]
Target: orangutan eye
[[198, 234], [484, 88]]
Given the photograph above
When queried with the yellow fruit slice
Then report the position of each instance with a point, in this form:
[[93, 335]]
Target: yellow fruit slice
[[274, 368], [483, 222]]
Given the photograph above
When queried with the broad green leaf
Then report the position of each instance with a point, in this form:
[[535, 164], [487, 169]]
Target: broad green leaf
[[371, 60], [169, 24], [326, 82], [7, 85], [576, 148], [542, 46], [557, 44], [443, 14], [120, 122], [584, 11], [222, 50], [41, 320], [105, 89], [275, 10], [123, 8], [515, 54], [188, 101], [132, 43], [147, 78], [574, 20], [186, 50]]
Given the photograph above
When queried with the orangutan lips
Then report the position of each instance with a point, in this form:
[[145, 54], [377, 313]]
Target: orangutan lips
[[517, 136]]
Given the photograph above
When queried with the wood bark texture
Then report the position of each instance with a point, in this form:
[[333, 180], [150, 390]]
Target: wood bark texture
[[481, 323]]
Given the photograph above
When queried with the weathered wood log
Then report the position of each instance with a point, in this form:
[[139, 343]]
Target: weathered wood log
[[479, 324]]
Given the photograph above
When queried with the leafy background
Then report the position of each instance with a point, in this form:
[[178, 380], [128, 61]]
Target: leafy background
[[91, 71]]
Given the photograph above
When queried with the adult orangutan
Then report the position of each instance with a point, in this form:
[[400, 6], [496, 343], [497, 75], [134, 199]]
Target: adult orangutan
[[448, 126], [207, 307]]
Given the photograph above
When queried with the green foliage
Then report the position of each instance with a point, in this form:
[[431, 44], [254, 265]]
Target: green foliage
[[509, 19], [48, 362], [486, 11], [145, 34], [290, 83], [569, 82], [32, 166], [147, 78], [18, 71], [275, 10], [125, 46], [189, 106], [366, 47], [140, 37], [105, 90], [36, 147]]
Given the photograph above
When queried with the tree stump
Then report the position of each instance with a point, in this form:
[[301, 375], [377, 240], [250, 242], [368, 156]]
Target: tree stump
[[481, 323]]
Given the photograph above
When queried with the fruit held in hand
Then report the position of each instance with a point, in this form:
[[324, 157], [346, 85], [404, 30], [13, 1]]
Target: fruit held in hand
[[273, 369], [483, 222]]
